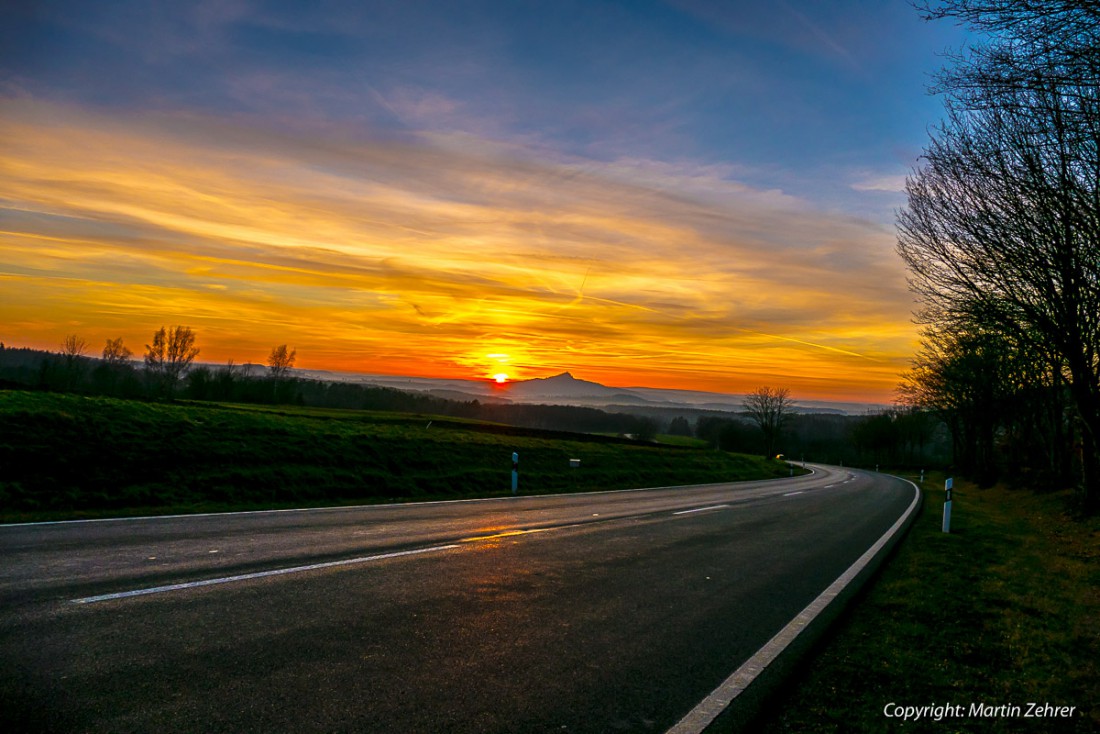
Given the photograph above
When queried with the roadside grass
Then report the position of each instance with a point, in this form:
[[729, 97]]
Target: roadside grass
[[67, 456], [1004, 610]]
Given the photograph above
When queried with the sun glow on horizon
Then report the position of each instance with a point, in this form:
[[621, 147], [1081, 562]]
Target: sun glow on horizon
[[500, 378]]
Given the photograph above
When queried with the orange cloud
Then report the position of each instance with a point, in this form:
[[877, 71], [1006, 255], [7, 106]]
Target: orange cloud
[[427, 254]]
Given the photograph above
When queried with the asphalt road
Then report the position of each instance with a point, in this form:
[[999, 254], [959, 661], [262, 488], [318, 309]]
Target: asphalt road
[[580, 613]]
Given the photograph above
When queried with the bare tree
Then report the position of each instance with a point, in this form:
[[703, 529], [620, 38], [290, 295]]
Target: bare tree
[[280, 361], [770, 409], [116, 353], [171, 352], [1028, 45], [73, 349]]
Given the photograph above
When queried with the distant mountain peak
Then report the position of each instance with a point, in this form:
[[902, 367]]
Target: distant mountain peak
[[565, 386]]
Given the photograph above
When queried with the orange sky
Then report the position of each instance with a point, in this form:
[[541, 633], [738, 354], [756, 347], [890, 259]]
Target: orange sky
[[436, 254]]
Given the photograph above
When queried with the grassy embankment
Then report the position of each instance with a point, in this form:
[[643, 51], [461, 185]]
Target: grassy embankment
[[1003, 610], [71, 456]]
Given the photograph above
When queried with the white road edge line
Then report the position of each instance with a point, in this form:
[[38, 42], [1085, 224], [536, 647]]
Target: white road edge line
[[701, 509], [704, 714], [257, 575]]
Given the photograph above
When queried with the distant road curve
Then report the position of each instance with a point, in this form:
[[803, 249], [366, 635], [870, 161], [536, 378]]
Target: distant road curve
[[614, 611]]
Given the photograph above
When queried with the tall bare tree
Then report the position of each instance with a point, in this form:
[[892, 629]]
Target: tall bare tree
[[73, 346], [770, 408], [281, 361], [170, 354]]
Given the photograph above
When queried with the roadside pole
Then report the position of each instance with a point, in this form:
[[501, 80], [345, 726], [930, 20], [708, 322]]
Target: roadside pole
[[948, 485], [515, 472]]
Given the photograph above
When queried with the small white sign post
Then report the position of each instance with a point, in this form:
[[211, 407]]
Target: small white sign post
[[948, 485], [515, 472]]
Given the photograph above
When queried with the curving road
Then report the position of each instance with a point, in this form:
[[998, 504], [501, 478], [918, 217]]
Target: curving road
[[605, 612]]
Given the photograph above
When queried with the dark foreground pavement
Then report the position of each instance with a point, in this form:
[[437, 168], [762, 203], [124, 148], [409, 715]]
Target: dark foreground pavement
[[583, 613]]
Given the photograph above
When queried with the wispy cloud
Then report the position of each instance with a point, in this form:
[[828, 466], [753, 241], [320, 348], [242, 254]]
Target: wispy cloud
[[890, 183], [427, 253]]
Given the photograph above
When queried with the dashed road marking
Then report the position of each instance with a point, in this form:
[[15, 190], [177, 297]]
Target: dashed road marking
[[257, 575], [701, 509]]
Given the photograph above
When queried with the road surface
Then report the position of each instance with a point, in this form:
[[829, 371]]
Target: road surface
[[604, 612]]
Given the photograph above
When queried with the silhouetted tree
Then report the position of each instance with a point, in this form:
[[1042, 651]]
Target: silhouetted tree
[[115, 375], [171, 352], [280, 361], [115, 352], [769, 408], [73, 349], [225, 380]]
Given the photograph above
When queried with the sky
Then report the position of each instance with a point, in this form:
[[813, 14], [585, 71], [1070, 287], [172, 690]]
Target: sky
[[679, 194]]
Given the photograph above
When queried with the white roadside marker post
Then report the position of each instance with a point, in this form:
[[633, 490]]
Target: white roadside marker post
[[515, 472], [948, 485]]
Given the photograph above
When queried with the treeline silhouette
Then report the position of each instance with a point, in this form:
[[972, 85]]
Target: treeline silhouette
[[1001, 239], [909, 438], [24, 368]]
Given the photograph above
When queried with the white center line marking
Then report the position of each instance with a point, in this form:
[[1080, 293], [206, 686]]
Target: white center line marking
[[701, 509], [792, 494], [257, 575]]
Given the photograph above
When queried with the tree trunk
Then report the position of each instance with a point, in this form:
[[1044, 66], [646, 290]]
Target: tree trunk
[[1087, 399]]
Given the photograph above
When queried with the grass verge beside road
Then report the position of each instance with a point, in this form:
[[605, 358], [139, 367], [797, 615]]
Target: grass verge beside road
[[1003, 611], [65, 456]]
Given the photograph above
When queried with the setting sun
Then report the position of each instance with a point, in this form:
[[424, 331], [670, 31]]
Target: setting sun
[[500, 378]]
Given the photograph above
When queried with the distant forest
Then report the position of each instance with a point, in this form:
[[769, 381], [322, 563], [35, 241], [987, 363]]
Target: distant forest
[[894, 438]]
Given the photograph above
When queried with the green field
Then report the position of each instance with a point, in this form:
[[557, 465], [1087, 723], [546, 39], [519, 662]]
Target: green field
[[73, 456], [1004, 610]]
